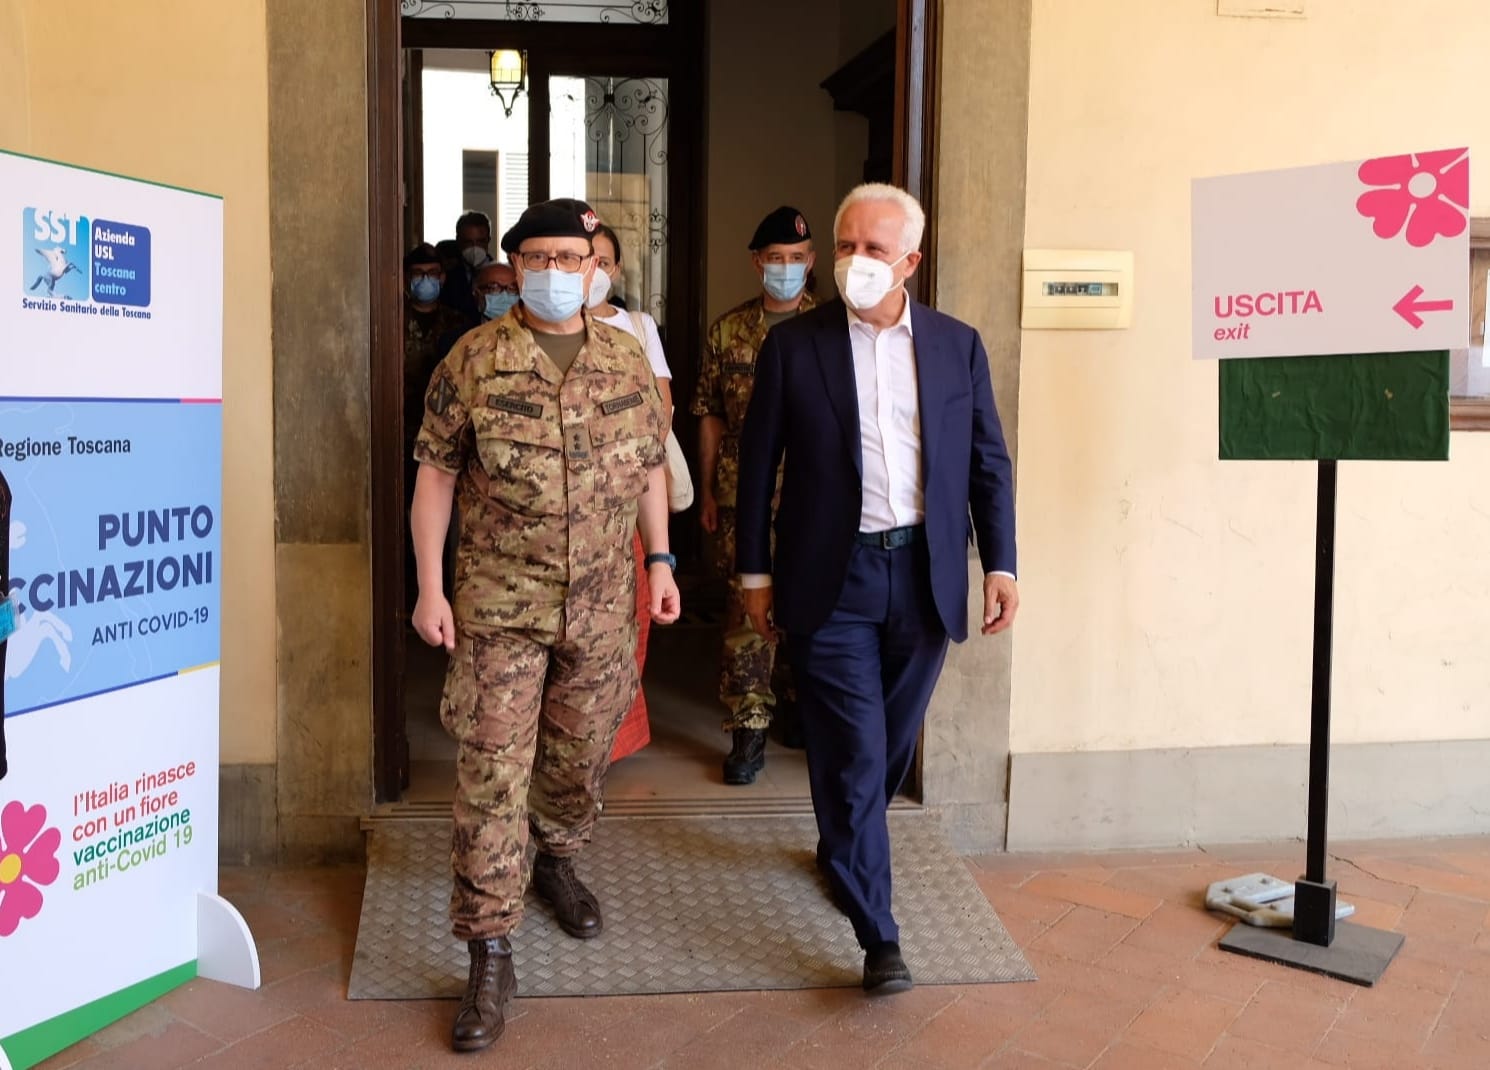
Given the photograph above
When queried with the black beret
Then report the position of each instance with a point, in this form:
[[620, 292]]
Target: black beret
[[421, 254], [785, 226], [561, 218]]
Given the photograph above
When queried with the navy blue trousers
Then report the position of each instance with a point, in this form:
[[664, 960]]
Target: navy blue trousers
[[864, 680]]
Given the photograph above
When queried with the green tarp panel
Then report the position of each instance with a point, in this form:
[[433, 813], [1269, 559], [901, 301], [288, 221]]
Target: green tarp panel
[[1357, 407]]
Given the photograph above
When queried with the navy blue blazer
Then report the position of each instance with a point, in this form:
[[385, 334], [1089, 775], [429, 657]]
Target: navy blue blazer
[[805, 405]]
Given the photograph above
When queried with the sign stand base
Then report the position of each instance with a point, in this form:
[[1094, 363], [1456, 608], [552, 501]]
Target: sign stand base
[[1314, 914], [1349, 952], [225, 948], [1358, 954]]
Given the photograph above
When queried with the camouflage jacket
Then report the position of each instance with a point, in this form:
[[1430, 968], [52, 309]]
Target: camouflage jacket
[[422, 334], [549, 470], [726, 379]]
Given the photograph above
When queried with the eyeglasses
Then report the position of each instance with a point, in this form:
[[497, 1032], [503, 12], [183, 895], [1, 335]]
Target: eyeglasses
[[498, 288], [566, 261]]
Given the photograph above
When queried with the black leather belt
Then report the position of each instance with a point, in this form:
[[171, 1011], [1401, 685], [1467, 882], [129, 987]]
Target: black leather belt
[[893, 539]]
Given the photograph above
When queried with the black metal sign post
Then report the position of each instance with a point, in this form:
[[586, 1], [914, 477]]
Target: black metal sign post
[[1350, 952], [1314, 897]]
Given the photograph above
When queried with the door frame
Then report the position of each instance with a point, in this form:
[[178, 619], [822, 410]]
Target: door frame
[[388, 528], [678, 51]]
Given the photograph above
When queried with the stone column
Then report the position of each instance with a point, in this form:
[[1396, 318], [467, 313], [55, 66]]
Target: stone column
[[318, 211], [983, 115]]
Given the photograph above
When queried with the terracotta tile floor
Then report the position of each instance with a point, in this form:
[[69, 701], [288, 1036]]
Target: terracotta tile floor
[[1130, 978]]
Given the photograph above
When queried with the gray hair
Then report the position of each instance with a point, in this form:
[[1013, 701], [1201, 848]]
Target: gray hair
[[915, 217]]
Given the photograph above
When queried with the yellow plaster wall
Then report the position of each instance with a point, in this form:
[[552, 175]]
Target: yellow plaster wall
[[176, 91], [1168, 596]]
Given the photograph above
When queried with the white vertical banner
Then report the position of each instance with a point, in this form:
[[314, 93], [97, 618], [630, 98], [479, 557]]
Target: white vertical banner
[[111, 445]]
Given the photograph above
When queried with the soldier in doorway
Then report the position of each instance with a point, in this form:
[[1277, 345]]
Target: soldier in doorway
[[549, 427], [426, 322], [781, 253], [429, 327]]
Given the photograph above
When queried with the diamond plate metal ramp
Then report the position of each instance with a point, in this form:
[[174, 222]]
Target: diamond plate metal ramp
[[691, 905]]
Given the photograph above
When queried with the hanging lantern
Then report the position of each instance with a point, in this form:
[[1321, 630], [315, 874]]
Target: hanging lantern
[[509, 76]]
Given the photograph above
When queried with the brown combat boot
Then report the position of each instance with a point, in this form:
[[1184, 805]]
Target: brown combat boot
[[491, 984], [575, 906]]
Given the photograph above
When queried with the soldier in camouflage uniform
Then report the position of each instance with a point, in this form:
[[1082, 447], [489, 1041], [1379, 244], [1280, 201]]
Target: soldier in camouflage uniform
[[429, 327], [781, 252], [426, 322], [550, 428]]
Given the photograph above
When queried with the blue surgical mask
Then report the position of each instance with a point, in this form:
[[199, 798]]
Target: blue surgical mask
[[495, 306], [785, 281], [424, 288], [553, 295]]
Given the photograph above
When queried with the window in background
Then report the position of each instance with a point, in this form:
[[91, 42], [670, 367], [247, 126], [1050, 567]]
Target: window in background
[[609, 143], [471, 148], [1469, 372]]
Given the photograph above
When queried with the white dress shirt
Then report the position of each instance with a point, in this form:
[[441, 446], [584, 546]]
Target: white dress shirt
[[889, 423], [894, 494]]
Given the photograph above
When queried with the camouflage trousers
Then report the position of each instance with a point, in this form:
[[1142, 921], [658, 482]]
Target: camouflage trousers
[[749, 664], [534, 718]]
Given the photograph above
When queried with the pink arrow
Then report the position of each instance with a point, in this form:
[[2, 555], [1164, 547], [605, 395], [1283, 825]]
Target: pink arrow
[[1409, 307]]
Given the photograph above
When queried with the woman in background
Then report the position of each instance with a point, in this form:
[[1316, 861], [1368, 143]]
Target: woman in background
[[635, 732]]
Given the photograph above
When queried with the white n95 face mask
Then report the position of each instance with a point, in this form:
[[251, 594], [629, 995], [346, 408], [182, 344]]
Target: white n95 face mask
[[863, 281], [599, 290]]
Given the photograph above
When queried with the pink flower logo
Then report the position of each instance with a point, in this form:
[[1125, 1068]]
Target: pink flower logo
[[1428, 193], [28, 859]]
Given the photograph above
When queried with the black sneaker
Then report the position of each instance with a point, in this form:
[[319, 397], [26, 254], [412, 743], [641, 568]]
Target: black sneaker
[[747, 757]]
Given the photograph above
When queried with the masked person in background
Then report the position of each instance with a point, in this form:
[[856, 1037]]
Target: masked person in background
[[429, 330], [781, 253], [635, 732], [473, 248], [493, 293], [547, 425], [426, 322], [495, 290]]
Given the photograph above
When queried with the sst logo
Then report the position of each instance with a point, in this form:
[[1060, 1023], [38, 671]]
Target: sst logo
[[54, 252], [69, 257]]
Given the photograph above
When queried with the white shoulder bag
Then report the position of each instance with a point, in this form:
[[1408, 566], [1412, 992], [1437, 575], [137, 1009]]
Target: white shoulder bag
[[679, 481]]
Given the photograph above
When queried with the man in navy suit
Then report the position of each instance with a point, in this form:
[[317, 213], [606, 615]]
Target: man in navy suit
[[894, 458]]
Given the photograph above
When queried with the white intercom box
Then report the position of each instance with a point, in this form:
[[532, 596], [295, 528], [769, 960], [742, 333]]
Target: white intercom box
[[1077, 289]]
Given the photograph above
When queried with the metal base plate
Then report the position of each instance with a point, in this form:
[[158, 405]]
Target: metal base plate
[[1359, 954]]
